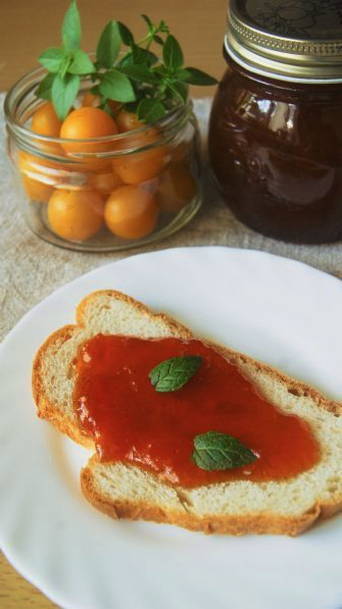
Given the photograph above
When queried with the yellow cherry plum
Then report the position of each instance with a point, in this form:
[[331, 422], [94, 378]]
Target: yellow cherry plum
[[75, 215], [131, 212], [177, 188]]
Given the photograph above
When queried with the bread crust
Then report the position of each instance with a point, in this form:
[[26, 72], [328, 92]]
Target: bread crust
[[256, 523], [47, 409]]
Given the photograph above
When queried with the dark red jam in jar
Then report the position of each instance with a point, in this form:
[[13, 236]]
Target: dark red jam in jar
[[275, 137]]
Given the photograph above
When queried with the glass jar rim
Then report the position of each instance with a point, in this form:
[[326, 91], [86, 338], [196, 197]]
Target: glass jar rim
[[168, 126]]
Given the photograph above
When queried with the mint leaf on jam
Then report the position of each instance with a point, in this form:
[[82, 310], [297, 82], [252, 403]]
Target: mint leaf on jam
[[219, 451], [174, 373]]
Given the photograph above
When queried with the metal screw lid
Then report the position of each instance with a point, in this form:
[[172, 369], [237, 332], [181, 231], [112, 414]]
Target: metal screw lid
[[293, 40]]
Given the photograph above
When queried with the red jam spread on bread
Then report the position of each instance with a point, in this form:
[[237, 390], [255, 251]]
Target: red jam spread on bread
[[133, 423]]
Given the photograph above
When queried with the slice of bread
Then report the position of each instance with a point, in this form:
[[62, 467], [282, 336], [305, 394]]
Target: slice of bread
[[239, 507]]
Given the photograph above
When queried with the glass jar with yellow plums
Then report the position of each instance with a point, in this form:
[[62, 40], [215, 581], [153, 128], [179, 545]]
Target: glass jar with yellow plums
[[130, 185]]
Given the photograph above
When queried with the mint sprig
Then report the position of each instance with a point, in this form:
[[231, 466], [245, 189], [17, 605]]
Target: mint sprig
[[65, 65], [215, 450], [125, 70], [174, 373]]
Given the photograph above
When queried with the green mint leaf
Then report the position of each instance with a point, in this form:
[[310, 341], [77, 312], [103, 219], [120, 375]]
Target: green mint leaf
[[193, 76], [140, 73], [64, 92], [71, 27], [140, 55], [51, 59], [158, 39], [126, 34], [148, 22], [179, 91], [172, 53], [151, 110], [45, 86], [174, 373], [219, 451], [163, 27], [115, 85], [109, 45], [127, 60], [80, 63], [65, 65]]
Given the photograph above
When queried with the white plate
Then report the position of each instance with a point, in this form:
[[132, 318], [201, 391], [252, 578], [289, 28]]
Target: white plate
[[275, 309]]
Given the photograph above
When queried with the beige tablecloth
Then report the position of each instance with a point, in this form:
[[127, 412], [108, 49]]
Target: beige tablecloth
[[30, 269]]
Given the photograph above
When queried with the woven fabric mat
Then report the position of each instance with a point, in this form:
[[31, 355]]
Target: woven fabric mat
[[30, 269]]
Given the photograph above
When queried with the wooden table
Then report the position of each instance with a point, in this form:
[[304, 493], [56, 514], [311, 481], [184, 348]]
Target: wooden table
[[27, 28]]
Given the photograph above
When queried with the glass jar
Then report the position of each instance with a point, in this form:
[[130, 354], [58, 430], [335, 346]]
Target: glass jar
[[108, 193], [275, 137]]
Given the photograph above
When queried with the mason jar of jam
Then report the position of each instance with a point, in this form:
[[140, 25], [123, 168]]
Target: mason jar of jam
[[275, 136]]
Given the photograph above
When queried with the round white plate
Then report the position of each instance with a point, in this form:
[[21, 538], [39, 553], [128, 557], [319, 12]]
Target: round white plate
[[275, 309]]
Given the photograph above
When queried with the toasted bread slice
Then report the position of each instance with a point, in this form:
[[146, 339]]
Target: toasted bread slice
[[239, 507]]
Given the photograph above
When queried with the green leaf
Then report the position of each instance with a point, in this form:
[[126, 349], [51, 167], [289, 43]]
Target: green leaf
[[45, 85], [80, 63], [219, 451], [71, 27], [141, 73], [140, 55], [64, 68], [172, 53], [127, 60], [64, 91], [115, 85], [109, 45], [51, 59], [179, 90], [151, 110], [163, 27], [148, 22], [67, 59], [158, 39], [126, 34], [174, 373], [193, 76]]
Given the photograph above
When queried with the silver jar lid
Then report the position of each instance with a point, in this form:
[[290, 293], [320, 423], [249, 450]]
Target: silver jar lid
[[292, 40]]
